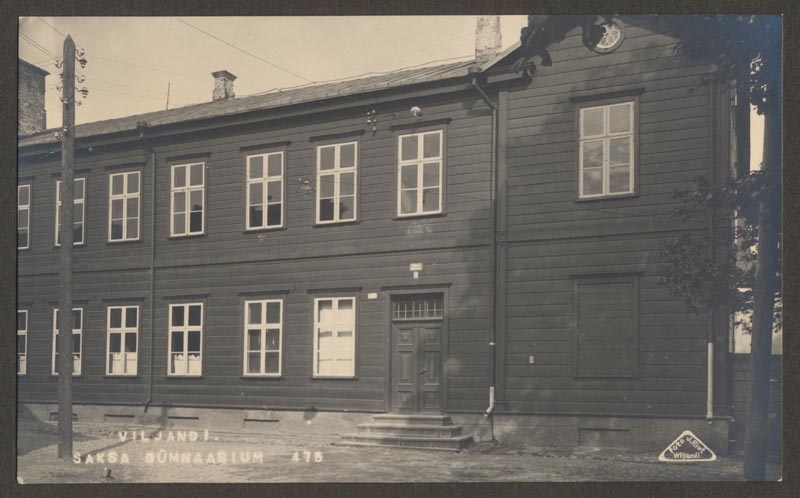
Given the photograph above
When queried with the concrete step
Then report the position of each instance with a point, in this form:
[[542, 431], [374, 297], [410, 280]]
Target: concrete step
[[421, 419], [454, 443], [393, 446], [395, 429]]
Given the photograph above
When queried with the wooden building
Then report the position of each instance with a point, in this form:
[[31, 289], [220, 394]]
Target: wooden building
[[461, 244]]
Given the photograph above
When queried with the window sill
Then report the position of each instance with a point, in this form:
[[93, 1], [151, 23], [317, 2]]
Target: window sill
[[419, 216], [265, 229], [22, 249], [629, 195], [195, 377], [82, 244], [329, 377], [122, 376], [187, 236], [335, 223], [262, 377], [123, 242], [78, 376]]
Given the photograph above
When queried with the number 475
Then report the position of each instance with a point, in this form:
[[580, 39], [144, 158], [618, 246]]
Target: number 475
[[307, 456]]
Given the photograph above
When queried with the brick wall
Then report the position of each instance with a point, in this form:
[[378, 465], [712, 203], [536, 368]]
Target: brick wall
[[32, 117]]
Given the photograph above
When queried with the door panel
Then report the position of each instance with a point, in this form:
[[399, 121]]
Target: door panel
[[417, 367]]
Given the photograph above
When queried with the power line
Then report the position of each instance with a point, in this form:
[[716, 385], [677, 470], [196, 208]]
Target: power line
[[37, 45], [243, 50], [51, 26]]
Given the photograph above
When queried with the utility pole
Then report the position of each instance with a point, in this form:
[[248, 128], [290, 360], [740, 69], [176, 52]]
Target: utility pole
[[67, 193]]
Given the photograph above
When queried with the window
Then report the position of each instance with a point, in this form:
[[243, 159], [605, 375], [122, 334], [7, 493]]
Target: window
[[77, 333], [23, 216], [123, 206], [187, 199], [185, 339], [418, 307], [334, 337], [123, 340], [79, 212], [22, 341], [606, 150], [336, 182], [263, 331], [420, 174], [606, 315], [265, 191]]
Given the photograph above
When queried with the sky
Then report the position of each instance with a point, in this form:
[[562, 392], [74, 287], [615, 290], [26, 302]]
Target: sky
[[132, 60]]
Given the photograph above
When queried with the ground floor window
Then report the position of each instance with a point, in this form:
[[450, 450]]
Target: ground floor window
[[77, 334], [263, 337], [123, 339], [334, 336], [185, 339], [22, 341]]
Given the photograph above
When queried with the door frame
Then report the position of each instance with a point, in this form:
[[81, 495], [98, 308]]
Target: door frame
[[391, 293]]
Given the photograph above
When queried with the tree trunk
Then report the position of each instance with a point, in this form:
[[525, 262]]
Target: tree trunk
[[764, 287]]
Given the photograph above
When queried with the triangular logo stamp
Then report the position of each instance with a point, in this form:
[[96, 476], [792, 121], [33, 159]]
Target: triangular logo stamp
[[687, 448]]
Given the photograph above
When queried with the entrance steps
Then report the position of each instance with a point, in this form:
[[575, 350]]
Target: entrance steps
[[424, 432]]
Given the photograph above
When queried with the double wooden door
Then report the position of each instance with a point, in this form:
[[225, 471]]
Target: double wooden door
[[417, 366]]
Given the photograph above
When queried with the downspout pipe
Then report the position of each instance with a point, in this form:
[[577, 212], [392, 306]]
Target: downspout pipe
[[712, 234], [142, 126], [474, 72]]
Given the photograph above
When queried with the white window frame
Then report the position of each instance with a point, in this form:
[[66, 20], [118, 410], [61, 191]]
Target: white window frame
[[77, 355], [185, 328], [124, 357], [263, 327], [27, 208], [22, 358], [419, 162], [124, 196], [335, 331], [81, 201], [265, 180], [337, 172], [606, 136], [187, 189]]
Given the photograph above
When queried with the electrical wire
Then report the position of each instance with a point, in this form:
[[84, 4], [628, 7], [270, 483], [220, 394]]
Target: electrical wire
[[35, 44]]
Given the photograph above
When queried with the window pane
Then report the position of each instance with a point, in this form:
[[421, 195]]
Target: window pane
[[179, 223], [179, 176], [326, 209], [254, 313], [408, 176], [347, 156], [133, 207], [116, 317], [177, 342], [131, 317], [273, 339], [430, 199], [256, 193], [77, 234], [409, 147], [347, 183], [272, 363], [619, 118], [274, 215], [326, 158], [196, 200], [132, 229], [21, 340], [194, 315], [408, 201], [326, 183], [78, 213], [619, 150], [347, 208], [274, 164], [592, 154], [619, 179], [254, 340], [117, 182], [179, 202], [196, 177], [345, 305], [23, 196], [133, 183], [22, 218], [194, 341], [256, 216], [76, 344], [430, 175], [130, 343], [592, 122], [116, 209], [325, 311], [196, 222], [80, 186], [256, 165], [115, 343], [274, 192], [273, 312], [431, 145], [22, 238], [77, 318], [254, 363], [178, 316], [22, 321], [593, 181]]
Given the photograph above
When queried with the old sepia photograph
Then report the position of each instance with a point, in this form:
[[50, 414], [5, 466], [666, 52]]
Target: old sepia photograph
[[394, 249]]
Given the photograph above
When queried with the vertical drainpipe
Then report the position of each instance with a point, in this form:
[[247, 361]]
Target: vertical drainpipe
[[142, 126], [474, 71], [712, 173]]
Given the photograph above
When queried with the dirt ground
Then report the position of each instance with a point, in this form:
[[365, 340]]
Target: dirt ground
[[229, 457]]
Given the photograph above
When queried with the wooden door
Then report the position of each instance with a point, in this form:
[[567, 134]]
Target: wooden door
[[417, 367]]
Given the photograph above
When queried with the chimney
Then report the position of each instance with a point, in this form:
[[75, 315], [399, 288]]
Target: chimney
[[223, 85], [30, 98], [488, 40]]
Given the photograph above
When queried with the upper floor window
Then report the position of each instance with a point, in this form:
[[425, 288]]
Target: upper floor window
[[606, 150], [334, 337], [79, 211], [185, 339], [187, 199], [263, 331], [123, 340], [337, 182], [419, 173], [123, 206], [22, 341], [77, 334], [265, 191], [23, 216]]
